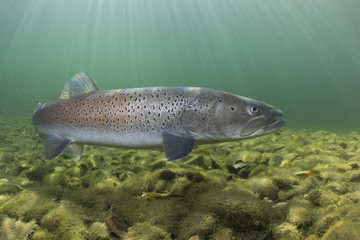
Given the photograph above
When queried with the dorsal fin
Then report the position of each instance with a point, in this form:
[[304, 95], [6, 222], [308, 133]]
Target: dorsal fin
[[78, 84]]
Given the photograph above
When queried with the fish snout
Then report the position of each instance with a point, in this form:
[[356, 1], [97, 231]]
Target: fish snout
[[277, 113]]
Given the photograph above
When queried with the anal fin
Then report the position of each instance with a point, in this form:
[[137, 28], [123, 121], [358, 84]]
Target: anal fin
[[55, 145], [176, 146]]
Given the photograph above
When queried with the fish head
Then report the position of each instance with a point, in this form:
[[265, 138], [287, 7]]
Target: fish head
[[236, 117]]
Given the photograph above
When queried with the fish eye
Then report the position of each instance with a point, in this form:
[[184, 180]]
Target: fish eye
[[254, 110]]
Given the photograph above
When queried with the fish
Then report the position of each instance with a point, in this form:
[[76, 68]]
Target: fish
[[115, 227], [304, 174], [174, 118], [163, 195]]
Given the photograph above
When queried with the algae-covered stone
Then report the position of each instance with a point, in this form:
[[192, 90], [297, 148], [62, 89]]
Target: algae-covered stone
[[300, 217], [195, 176], [167, 175], [7, 187], [343, 229], [57, 179], [282, 196], [355, 176], [158, 165], [160, 186], [93, 177], [22, 203], [194, 237], [99, 231], [247, 157], [200, 162], [286, 231], [284, 183], [253, 234], [272, 159], [258, 170], [29, 205], [146, 231], [11, 229], [339, 187], [265, 187], [36, 173], [136, 184], [214, 164], [235, 166], [64, 223], [180, 186], [328, 198], [354, 165], [42, 235], [314, 197], [222, 233], [322, 225], [200, 224], [7, 157], [236, 209]]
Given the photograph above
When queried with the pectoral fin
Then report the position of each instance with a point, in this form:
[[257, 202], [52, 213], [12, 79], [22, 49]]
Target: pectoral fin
[[176, 146], [55, 145], [75, 150]]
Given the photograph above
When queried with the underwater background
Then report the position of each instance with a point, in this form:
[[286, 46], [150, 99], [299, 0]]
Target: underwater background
[[301, 56]]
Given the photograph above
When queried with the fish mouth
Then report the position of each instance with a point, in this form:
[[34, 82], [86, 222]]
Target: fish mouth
[[268, 128]]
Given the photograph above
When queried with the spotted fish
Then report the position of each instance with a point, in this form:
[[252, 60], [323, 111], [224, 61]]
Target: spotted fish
[[175, 118]]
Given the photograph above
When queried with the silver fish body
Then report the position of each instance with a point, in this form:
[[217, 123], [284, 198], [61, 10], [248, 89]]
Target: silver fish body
[[172, 117]]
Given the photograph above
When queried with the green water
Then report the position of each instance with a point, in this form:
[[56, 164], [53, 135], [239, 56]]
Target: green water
[[302, 56]]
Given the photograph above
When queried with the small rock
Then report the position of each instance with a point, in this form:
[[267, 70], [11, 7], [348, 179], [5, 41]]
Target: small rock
[[198, 161], [195, 237], [354, 166], [36, 173], [146, 231], [99, 230], [16, 229], [196, 224], [324, 223], [214, 164], [339, 187], [7, 158], [342, 144], [265, 187], [158, 165], [223, 233], [286, 231], [284, 183], [9, 188], [343, 229], [314, 197], [300, 216], [355, 177], [167, 175], [195, 177]]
